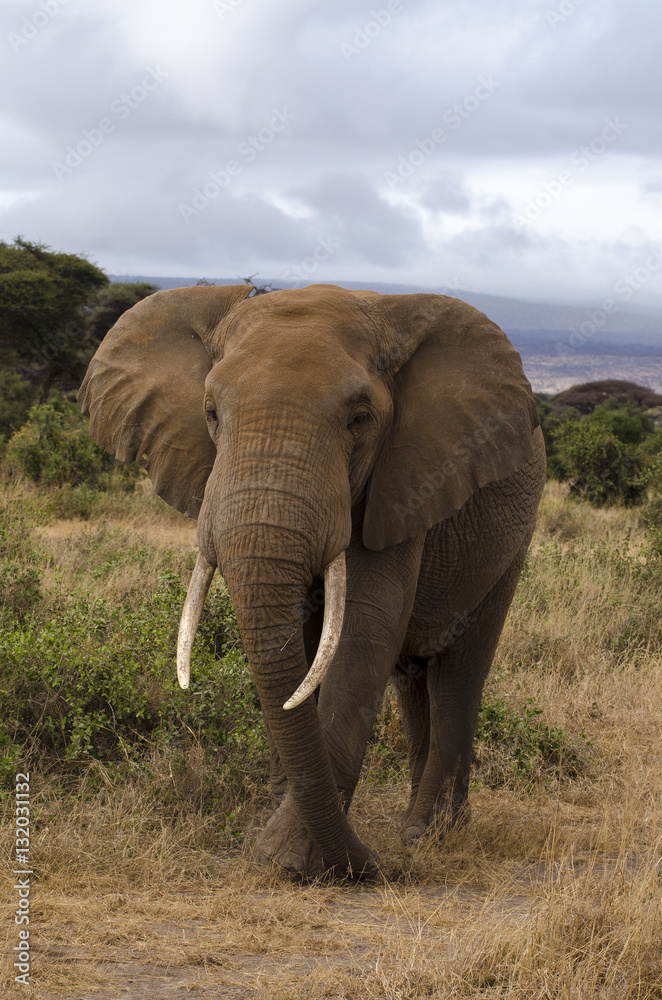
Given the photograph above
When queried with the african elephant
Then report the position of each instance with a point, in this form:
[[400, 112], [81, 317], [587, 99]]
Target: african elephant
[[386, 444]]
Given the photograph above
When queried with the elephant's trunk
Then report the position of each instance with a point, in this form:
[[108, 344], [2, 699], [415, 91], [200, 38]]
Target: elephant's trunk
[[268, 595]]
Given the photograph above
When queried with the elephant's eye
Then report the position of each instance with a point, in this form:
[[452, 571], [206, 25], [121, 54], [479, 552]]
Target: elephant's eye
[[212, 415], [358, 421]]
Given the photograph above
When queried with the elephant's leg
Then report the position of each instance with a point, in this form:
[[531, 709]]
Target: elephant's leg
[[411, 685], [380, 593], [380, 597], [455, 684]]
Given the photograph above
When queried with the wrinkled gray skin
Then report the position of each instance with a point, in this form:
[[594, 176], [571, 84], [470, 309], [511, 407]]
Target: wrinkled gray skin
[[398, 429]]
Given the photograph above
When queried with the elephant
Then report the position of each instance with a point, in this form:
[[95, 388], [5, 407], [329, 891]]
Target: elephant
[[365, 470]]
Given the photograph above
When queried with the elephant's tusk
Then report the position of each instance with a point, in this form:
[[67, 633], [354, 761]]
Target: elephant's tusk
[[195, 598], [334, 612]]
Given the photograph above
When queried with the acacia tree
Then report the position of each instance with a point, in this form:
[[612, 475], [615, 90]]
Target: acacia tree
[[55, 309], [43, 300]]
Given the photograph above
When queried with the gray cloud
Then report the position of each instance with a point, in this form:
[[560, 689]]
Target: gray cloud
[[514, 87]]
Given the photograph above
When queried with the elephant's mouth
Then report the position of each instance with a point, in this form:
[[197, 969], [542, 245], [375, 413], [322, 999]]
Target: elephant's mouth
[[334, 611]]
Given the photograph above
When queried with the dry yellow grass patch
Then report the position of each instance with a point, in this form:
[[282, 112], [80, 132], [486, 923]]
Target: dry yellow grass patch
[[554, 892]]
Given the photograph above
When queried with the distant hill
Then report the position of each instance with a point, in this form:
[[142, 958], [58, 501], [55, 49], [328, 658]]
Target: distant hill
[[530, 324], [591, 394]]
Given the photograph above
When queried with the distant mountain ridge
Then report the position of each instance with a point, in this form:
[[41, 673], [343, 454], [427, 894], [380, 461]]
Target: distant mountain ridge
[[537, 326]]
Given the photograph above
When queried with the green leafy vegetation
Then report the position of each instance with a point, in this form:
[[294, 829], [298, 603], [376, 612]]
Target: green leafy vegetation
[[88, 678], [55, 308], [97, 678], [16, 397], [54, 448], [42, 308], [603, 455], [517, 746]]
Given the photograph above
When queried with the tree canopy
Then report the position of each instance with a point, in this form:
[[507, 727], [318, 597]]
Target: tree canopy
[[55, 308], [42, 300]]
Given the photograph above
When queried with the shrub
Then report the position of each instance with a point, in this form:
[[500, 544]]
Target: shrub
[[19, 563], [597, 464], [99, 678], [516, 746], [626, 421], [55, 449], [16, 398]]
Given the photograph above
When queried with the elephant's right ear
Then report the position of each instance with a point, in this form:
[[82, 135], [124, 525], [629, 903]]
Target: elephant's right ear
[[144, 388]]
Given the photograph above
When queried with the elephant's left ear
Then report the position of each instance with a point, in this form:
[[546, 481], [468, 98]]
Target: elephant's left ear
[[464, 416]]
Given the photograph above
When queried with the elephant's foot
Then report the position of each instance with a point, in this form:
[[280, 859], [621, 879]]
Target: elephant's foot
[[444, 817], [287, 842]]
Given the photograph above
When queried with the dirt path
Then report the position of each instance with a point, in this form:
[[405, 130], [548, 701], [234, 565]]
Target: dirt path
[[514, 905], [287, 941]]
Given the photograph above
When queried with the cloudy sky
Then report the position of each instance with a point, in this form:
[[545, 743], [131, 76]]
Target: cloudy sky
[[504, 146]]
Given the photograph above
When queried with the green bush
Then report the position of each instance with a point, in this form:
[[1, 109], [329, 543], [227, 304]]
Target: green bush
[[98, 678], [16, 398], [514, 747], [598, 465], [20, 574], [55, 448], [626, 421], [603, 455]]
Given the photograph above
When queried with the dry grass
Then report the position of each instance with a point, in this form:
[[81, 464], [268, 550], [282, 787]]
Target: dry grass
[[554, 893]]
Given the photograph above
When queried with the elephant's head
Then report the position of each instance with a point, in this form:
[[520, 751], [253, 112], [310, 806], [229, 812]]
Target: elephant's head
[[289, 424]]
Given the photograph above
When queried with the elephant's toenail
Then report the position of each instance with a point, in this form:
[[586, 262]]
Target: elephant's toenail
[[292, 862]]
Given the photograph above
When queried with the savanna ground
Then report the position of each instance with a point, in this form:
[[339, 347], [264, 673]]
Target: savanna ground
[[144, 884]]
